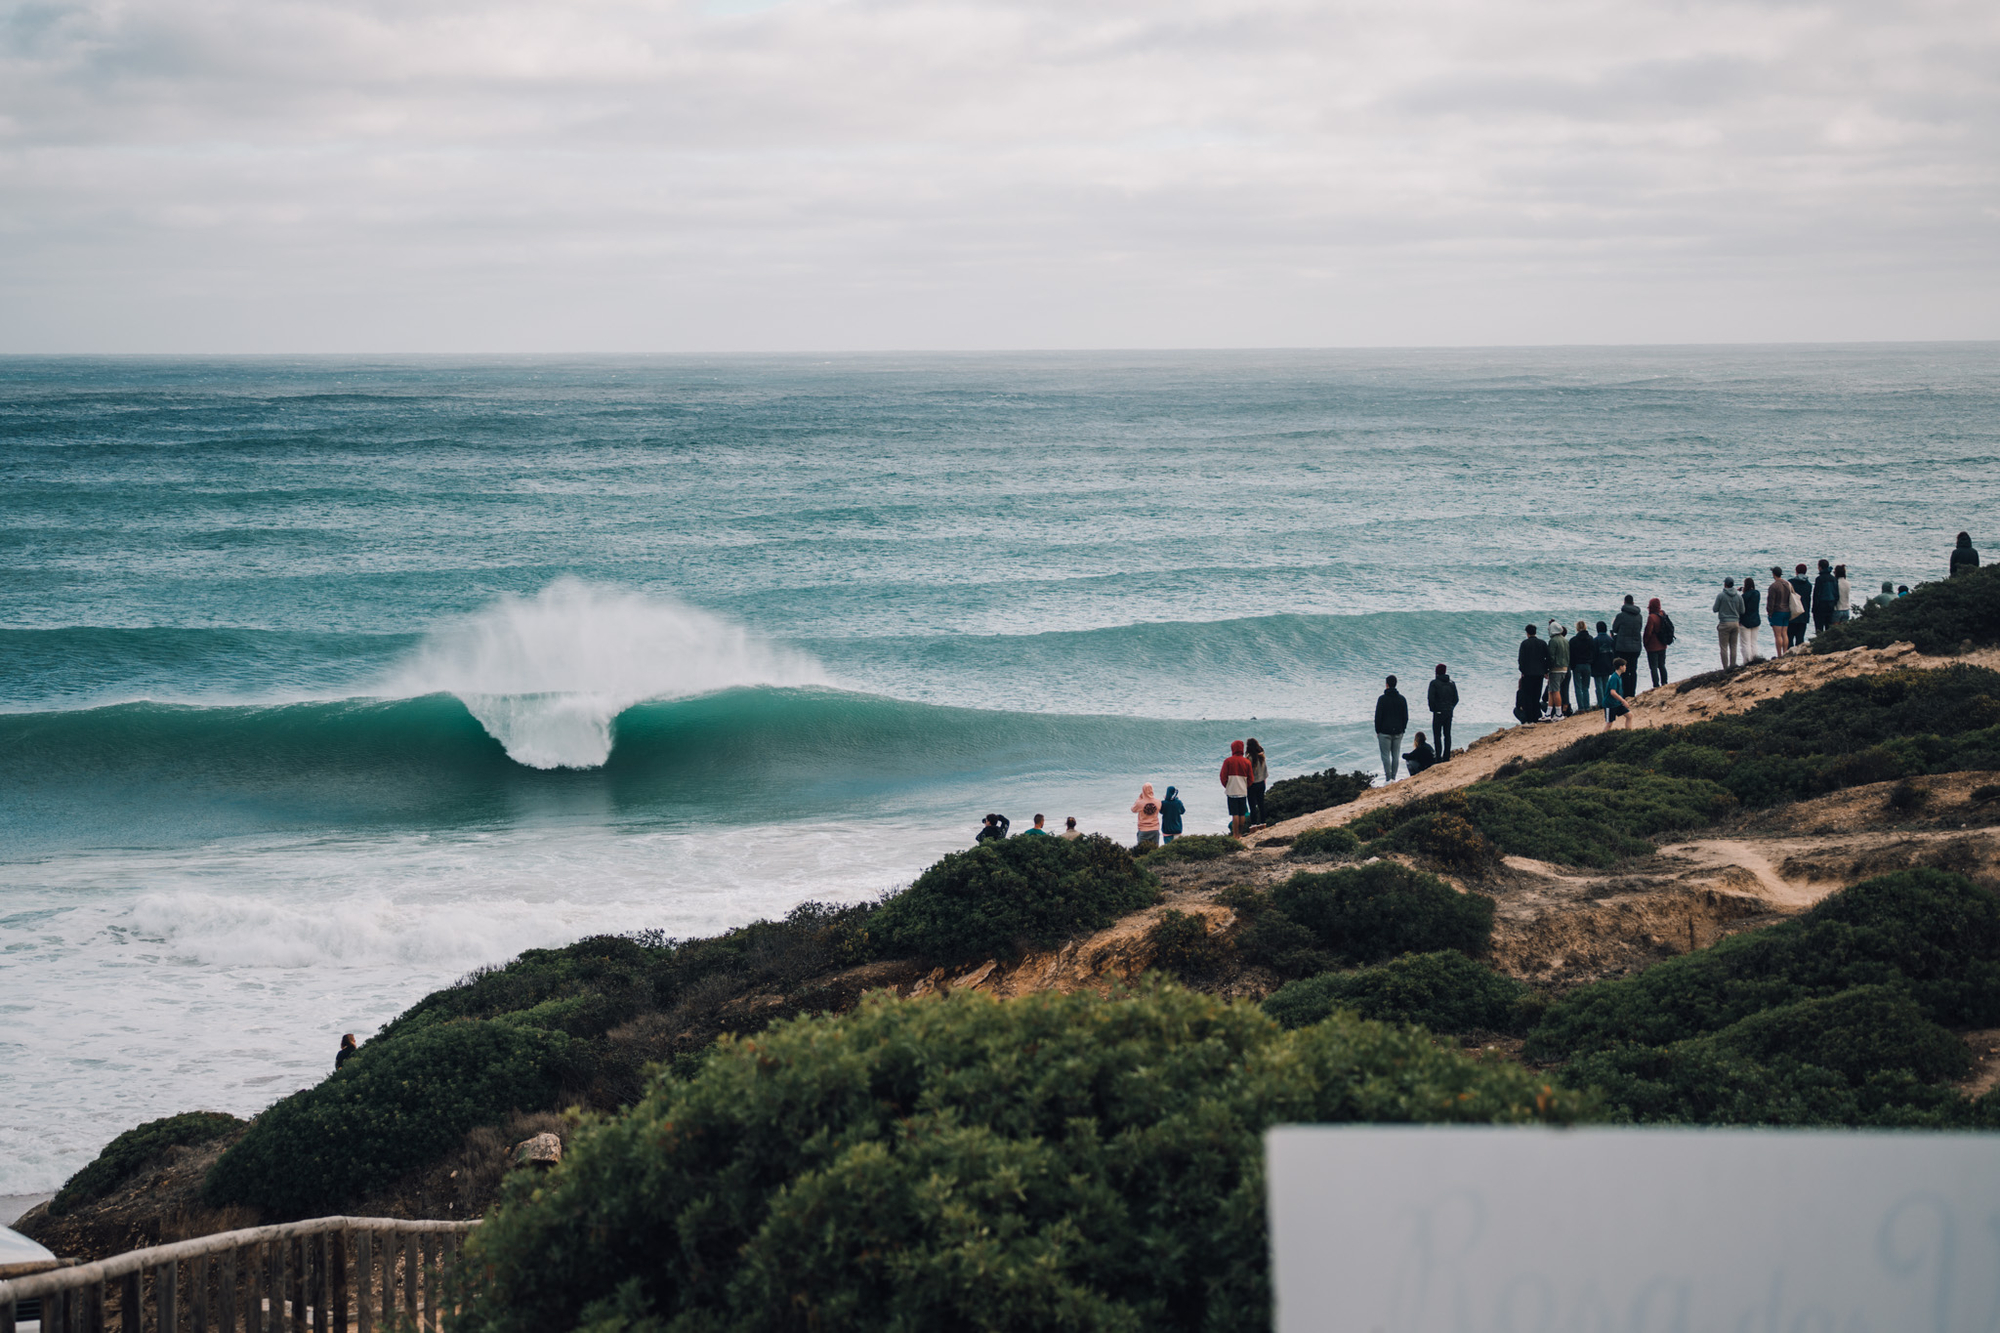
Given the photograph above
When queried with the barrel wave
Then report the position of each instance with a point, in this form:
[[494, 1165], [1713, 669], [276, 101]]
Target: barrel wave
[[171, 772]]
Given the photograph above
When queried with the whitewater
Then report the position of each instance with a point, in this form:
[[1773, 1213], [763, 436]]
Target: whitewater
[[325, 681]]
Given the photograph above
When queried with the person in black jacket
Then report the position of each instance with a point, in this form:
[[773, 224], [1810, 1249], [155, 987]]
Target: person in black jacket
[[1422, 757], [993, 830], [1392, 719], [1534, 662], [1628, 634], [1803, 587], [1443, 698], [1825, 598], [1600, 663], [347, 1050], [1582, 664], [1963, 557]]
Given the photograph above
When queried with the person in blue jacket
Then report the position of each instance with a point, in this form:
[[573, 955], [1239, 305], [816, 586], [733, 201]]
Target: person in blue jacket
[[1171, 810]]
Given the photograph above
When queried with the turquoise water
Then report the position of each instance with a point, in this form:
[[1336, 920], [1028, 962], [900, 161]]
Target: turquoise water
[[323, 681]]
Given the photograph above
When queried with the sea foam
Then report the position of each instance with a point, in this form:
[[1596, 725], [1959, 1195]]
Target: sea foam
[[546, 675]]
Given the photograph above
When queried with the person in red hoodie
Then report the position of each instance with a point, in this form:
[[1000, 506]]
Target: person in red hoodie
[[1236, 772]]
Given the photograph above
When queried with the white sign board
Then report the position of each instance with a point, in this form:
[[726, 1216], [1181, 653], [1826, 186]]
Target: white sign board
[[1378, 1229]]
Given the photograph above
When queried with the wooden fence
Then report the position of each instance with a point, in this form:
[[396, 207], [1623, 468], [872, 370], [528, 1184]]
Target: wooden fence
[[327, 1275]]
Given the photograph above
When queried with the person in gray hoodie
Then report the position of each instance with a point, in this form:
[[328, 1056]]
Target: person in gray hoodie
[[1728, 610], [1628, 629]]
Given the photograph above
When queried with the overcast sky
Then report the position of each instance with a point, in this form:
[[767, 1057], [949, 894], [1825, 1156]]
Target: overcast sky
[[712, 175]]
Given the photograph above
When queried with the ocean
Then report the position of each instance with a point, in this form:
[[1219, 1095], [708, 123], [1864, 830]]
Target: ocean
[[324, 681]]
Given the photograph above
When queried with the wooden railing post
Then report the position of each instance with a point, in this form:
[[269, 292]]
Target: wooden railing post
[[411, 1267], [198, 1270], [337, 1267], [225, 1292], [364, 1280], [166, 1297]]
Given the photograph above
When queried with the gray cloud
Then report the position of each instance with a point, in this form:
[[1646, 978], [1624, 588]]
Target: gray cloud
[[437, 175]]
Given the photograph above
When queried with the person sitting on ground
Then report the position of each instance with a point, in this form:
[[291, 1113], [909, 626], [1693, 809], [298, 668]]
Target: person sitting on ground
[[1963, 557], [347, 1049], [1172, 810], [1392, 719], [1902, 591], [1533, 661], [1443, 698], [1886, 597], [1615, 705], [1037, 831], [1236, 771], [1422, 757], [1070, 829], [993, 830], [1147, 807]]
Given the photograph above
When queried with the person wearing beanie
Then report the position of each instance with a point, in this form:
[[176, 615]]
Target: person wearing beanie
[[1442, 696]]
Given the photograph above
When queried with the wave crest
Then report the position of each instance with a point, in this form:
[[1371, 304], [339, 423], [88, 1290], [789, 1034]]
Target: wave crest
[[546, 676]]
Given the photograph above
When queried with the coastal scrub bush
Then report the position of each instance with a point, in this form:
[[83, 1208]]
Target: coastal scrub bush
[[397, 1105], [125, 1155], [1367, 913], [1049, 1162], [1443, 991], [1934, 933], [1004, 897], [1292, 797], [1193, 847], [1324, 844], [1183, 945], [1936, 617]]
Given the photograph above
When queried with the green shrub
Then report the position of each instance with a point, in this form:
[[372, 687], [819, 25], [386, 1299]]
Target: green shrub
[[1908, 797], [1001, 898], [1443, 838], [1193, 847], [395, 1106], [122, 1158], [1936, 934], [1292, 797], [1367, 913], [1183, 945], [1866, 1056], [1051, 1162], [1443, 991], [1936, 617], [1847, 733], [1324, 844]]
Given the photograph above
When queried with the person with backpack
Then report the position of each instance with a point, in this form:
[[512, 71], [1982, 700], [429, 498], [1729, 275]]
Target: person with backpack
[[1236, 772], [1728, 623], [1582, 664], [1392, 719], [1533, 660], [1659, 637], [1628, 631], [1963, 558], [1442, 698], [1746, 633], [1601, 661], [1147, 807], [1172, 809], [1826, 597]]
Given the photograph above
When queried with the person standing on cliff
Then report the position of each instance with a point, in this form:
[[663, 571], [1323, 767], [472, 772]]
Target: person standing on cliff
[[1963, 558], [1147, 807], [1442, 698], [1628, 630], [1533, 660], [1236, 772], [1728, 623], [1392, 719], [347, 1051]]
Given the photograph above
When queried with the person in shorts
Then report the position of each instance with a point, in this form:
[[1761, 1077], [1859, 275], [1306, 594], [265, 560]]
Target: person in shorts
[[1236, 772], [1778, 610]]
